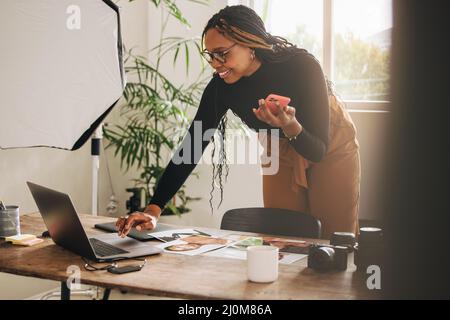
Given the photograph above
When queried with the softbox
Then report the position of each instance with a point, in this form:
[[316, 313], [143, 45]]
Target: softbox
[[61, 70]]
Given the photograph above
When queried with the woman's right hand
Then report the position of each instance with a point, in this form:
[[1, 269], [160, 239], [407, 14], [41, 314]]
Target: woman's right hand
[[146, 220]]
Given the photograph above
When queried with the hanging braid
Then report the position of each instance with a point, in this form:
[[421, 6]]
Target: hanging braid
[[218, 173], [242, 25]]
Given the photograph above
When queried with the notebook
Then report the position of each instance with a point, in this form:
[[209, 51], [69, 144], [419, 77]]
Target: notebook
[[144, 235]]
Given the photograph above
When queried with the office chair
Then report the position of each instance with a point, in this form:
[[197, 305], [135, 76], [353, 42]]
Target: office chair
[[281, 222]]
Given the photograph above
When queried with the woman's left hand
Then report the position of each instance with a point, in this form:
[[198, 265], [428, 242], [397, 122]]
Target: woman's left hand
[[285, 116]]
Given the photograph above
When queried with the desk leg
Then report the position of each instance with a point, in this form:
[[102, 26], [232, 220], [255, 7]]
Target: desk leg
[[65, 291], [106, 294]]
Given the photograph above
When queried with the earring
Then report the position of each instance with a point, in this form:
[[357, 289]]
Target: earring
[[252, 55]]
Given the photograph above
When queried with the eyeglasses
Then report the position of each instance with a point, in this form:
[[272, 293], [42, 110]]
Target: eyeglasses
[[218, 55]]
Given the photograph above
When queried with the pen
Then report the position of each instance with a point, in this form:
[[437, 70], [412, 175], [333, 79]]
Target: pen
[[2, 206], [202, 233], [178, 234]]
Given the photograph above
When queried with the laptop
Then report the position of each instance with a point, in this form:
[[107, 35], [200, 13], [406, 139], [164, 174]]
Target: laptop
[[64, 226]]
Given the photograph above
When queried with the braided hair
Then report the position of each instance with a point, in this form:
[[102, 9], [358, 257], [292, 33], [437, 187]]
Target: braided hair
[[243, 26]]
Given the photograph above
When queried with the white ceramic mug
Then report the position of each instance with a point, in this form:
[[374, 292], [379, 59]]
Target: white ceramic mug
[[262, 263]]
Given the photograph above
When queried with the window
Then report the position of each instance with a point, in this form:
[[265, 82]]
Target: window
[[351, 39], [289, 19], [362, 44]]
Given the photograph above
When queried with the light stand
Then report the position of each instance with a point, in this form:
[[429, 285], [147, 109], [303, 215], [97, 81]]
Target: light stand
[[95, 153]]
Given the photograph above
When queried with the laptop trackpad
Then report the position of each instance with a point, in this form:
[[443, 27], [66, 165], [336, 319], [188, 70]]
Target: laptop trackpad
[[126, 243]]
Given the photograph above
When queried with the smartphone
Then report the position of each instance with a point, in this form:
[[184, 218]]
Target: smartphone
[[125, 269], [271, 102]]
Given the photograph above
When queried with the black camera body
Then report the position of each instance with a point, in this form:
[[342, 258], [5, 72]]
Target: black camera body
[[367, 251], [325, 258]]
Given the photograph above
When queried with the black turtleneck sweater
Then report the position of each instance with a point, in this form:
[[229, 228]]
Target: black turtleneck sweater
[[300, 78]]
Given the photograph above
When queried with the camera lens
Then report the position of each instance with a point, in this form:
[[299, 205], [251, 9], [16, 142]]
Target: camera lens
[[370, 248], [322, 259], [370, 235]]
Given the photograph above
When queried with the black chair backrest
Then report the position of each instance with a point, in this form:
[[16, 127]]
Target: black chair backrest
[[281, 222]]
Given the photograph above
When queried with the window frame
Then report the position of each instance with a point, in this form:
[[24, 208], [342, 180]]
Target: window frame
[[328, 52]]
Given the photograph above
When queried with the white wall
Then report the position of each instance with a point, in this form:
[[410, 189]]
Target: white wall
[[371, 132]]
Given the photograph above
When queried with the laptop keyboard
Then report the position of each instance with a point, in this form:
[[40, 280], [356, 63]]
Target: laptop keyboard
[[104, 249]]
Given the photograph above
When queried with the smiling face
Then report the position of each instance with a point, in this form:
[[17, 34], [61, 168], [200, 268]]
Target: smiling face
[[239, 62]]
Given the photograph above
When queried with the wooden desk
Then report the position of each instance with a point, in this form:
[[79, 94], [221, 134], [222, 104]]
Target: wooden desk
[[179, 276]]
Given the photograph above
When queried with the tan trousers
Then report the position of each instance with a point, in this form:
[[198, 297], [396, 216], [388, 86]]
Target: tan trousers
[[328, 190]]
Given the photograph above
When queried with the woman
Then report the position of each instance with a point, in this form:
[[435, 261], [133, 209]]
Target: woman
[[319, 168]]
